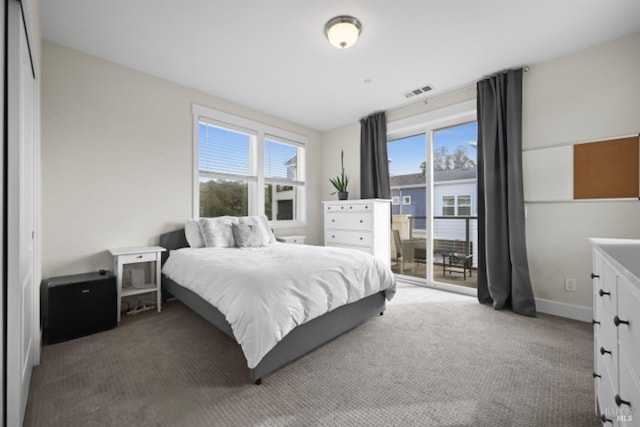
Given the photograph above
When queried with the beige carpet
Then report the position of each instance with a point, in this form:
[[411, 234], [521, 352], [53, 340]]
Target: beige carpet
[[433, 359]]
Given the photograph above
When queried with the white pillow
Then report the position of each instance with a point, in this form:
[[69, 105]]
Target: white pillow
[[217, 232], [193, 234], [260, 224]]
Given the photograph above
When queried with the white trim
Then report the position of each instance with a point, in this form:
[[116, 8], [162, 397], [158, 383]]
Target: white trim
[[432, 120], [569, 311], [230, 119], [554, 308]]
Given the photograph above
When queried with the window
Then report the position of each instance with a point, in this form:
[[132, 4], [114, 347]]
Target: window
[[234, 157], [224, 170], [456, 205], [406, 200], [395, 200], [448, 205], [464, 205]]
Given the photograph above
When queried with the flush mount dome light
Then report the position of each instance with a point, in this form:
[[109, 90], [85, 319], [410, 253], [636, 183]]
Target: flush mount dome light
[[343, 31]]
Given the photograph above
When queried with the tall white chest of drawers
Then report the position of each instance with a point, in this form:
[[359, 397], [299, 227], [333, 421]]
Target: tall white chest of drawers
[[359, 224], [616, 322]]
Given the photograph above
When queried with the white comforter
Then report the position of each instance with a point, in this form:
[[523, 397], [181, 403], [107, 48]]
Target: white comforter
[[266, 292]]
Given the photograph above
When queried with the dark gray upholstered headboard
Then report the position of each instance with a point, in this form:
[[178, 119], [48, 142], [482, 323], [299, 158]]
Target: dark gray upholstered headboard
[[172, 240]]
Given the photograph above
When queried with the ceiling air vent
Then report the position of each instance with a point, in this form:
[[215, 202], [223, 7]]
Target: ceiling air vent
[[418, 91]]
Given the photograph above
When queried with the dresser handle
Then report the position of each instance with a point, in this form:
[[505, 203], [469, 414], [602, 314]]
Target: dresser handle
[[139, 256], [621, 402], [617, 321], [360, 238], [341, 207], [603, 351], [593, 276], [333, 220], [605, 419], [595, 322], [333, 236], [350, 207], [361, 221], [603, 293], [596, 375]]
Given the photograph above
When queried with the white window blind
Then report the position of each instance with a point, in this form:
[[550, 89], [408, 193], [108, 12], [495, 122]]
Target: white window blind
[[223, 150]]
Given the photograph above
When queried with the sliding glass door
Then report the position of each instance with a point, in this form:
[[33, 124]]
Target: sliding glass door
[[455, 201], [434, 205], [407, 170]]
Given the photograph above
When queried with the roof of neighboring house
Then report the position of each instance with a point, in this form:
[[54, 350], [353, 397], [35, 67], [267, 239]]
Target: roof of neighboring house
[[417, 179]]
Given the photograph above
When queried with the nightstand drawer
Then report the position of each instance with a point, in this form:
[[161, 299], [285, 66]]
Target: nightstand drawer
[[133, 258]]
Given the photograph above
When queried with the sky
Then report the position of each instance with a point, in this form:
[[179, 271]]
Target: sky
[[407, 154]]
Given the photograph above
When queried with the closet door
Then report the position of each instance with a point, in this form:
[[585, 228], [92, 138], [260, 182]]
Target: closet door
[[21, 295]]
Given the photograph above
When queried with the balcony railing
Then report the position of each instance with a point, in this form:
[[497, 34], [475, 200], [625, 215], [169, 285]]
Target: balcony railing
[[452, 234]]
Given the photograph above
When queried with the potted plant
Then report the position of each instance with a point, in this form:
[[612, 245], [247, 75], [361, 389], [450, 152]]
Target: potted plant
[[340, 182]]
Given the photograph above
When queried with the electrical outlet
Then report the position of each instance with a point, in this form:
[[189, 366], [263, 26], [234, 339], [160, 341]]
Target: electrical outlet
[[569, 285]]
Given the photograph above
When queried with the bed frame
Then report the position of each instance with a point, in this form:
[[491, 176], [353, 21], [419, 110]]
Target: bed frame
[[300, 341]]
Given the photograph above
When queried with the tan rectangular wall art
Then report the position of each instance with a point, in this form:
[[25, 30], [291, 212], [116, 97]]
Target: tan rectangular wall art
[[607, 169]]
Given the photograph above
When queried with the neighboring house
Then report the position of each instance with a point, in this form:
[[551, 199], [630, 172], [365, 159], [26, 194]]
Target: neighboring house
[[455, 194]]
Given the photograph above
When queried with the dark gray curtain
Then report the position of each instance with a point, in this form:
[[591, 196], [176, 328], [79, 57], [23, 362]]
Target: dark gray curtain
[[503, 269], [374, 164]]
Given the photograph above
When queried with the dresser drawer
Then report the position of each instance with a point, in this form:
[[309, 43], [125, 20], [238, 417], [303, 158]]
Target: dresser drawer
[[606, 402], [605, 291], [629, 311], [349, 207], [629, 391], [606, 347], [351, 238], [348, 221]]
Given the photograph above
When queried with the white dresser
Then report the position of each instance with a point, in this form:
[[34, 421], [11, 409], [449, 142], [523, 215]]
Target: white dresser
[[359, 224], [616, 321]]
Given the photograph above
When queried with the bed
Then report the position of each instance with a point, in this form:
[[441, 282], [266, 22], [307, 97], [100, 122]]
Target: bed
[[302, 339]]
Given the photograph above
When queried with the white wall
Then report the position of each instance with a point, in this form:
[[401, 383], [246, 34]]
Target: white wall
[[592, 94], [117, 159]]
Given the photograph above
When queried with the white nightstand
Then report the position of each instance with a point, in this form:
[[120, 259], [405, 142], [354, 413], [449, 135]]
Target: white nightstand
[[133, 256], [296, 240]]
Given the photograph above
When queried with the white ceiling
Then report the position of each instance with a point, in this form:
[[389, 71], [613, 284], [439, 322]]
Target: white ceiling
[[272, 55]]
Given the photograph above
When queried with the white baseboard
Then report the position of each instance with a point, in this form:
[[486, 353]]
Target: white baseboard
[[575, 312]]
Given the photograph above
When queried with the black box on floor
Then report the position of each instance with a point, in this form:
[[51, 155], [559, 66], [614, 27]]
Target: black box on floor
[[78, 305]]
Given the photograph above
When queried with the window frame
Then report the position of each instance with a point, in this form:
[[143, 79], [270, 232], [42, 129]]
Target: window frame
[[406, 200], [256, 180]]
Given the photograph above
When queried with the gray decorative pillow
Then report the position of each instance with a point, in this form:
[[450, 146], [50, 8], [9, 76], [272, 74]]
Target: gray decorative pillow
[[247, 236], [217, 233], [260, 224]]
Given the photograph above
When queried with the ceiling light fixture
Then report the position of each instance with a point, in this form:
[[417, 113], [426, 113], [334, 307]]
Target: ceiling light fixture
[[343, 31]]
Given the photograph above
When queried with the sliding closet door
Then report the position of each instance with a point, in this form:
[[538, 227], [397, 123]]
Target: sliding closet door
[[21, 287]]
